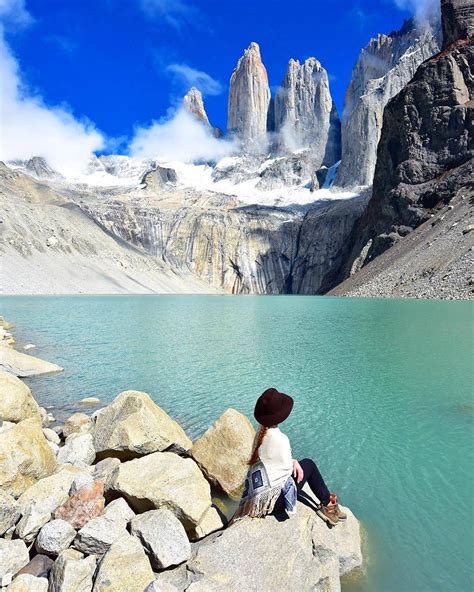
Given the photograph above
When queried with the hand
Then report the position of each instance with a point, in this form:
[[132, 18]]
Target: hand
[[297, 471]]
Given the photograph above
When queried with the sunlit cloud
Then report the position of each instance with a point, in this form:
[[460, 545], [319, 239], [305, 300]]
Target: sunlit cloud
[[188, 76]]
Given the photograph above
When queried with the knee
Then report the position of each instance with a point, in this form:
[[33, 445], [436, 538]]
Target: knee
[[307, 463]]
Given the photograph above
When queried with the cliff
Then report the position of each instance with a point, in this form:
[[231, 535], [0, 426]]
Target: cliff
[[384, 67], [425, 155]]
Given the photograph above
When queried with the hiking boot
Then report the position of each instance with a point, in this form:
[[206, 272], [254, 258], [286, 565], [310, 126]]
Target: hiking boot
[[340, 514], [329, 514]]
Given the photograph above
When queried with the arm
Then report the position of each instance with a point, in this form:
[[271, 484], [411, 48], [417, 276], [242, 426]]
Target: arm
[[297, 471]]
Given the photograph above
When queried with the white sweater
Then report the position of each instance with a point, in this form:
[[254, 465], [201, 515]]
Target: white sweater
[[275, 453]]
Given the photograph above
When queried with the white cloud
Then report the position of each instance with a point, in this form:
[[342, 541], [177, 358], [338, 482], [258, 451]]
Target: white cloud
[[191, 77], [15, 13], [29, 127], [423, 9], [176, 13], [180, 136]]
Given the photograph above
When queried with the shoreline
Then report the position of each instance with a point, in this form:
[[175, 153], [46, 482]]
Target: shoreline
[[102, 491]]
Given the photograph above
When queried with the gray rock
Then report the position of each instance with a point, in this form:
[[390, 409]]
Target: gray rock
[[54, 537], [39, 566], [78, 450], [458, 20], [249, 99], [125, 567], [51, 435], [98, 534], [172, 482], [305, 114], [72, 572], [158, 586], [106, 470], [119, 510], [81, 481], [163, 537], [28, 583], [23, 365], [78, 423], [133, 425], [9, 512], [13, 556], [255, 550], [384, 67]]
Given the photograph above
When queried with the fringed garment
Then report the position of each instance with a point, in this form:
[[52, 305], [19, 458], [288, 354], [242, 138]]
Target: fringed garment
[[259, 497]]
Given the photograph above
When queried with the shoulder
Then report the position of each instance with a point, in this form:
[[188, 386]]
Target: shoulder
[[278, 435]]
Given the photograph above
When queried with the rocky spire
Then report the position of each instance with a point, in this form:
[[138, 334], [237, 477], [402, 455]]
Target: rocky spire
[[305, 114], [249, 99], [194, 104], [384, 67]]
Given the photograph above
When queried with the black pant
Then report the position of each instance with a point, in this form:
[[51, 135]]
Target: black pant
[[313, 477]]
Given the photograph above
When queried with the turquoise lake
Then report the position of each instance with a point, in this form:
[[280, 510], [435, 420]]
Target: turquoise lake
[[383, 399]]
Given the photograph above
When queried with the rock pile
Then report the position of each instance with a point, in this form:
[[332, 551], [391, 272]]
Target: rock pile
[[121, 501]]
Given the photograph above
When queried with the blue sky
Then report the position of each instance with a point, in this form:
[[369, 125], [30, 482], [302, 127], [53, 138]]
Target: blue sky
[[120, 63]]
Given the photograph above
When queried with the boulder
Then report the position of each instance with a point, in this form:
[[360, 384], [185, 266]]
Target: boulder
[[171, 481], [210, 522], [81, 481], [25, 457], [133, 425], [28, 583], [13, 556], [106, 470], [163, 537], [51, 436], [54, 537], [72, 572], [78, 423], [16, 402], [124, 568], [21, 364], [119, 510], [9, 512], [39, 566], [78, 450], [83, 506], [223, 451], [300, 553], [40, 501], [99, 534]]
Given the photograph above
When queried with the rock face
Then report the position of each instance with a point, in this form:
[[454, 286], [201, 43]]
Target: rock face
[[384, 67], [25, 457], [133, 425], [23, 365], [299, 553], [305, 114], [425, 155], [172, 482], [194, 104], [223, 451], [163, 537], [249, 99], [124, 568], [16, 401], [457, 21]]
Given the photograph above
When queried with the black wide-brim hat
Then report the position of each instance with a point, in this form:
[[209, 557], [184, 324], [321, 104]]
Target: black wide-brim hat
[[272, 407]]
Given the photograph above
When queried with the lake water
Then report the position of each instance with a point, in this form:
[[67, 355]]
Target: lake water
[[383, 399]]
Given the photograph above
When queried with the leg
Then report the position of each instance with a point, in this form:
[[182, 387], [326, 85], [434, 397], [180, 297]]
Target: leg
[[313, 477]]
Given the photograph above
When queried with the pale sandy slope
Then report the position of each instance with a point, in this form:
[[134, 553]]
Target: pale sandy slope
[[82, 258]]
